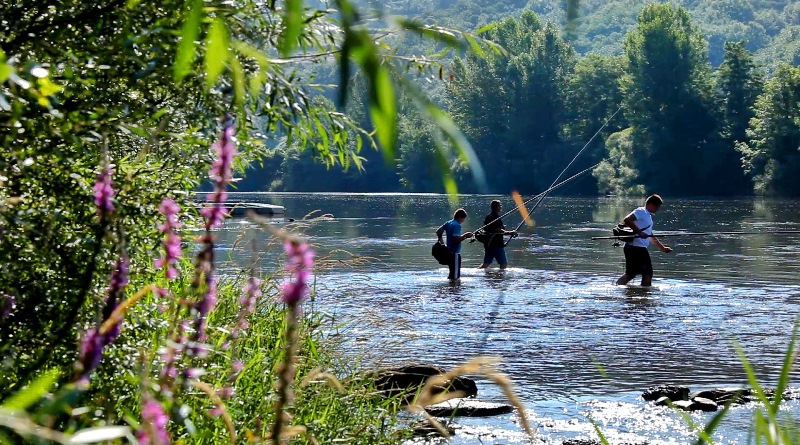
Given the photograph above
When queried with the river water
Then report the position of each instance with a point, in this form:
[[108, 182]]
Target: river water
[[575, 346]]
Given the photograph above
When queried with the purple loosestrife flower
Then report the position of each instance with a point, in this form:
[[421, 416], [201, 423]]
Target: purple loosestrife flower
[[154, 424], [299, 264], [95, 339], [220, 174], [104, 192], [172, 242], [204, 307], [252, 292]]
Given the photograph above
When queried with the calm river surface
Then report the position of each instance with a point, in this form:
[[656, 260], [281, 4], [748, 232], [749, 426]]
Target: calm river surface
[[555, 318]]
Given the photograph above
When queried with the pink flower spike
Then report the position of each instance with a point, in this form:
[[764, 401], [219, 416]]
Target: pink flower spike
[[299, 264], [172, 242], [154, 421], [104, 192], [221, 175]]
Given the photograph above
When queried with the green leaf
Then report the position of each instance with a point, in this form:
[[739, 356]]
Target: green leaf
[[5, 72], [323, 134], [476, 47], [216, 50], [25, 398], [239, 87], [383, 106], [292, 26], [48, 88], [186, 48], [487, 28]]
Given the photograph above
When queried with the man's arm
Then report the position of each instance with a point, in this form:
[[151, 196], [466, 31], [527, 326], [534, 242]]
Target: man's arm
[[661, 247], [500, 228], [459, 238], [440, 232], [630, 221]]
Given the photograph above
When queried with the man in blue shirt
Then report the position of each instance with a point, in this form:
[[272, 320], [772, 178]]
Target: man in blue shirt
[[454, 238]]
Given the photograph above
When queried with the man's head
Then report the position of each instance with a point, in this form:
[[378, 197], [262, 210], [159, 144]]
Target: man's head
[[460, 215], [496, 206], [653, 203]]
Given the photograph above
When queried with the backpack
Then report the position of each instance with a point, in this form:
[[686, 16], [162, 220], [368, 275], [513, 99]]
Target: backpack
[[441, 253], [626, 233], [483, 237]]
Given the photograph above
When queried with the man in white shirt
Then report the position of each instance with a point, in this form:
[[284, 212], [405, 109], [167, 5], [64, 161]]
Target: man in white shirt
[[637, 258]]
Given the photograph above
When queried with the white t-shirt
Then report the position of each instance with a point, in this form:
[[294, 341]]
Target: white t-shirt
[[644, 221]]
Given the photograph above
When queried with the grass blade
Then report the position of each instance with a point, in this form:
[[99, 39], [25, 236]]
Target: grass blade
[[783, 381], [25, 398], [704, 436]]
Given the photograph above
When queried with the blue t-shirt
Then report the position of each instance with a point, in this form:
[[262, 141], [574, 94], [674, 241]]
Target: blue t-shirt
[[453, 228]]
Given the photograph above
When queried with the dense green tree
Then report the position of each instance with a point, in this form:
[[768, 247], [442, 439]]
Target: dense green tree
[[669, 103], [617, 174], [513, 106], [771, 156], [594, 97], [738, 83]]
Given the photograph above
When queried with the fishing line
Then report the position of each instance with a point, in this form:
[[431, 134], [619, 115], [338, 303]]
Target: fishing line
[[567, 168], [555, 187]]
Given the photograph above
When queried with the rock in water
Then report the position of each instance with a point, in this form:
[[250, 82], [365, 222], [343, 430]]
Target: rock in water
[[673, 392], [408, 379], [597, 442], [722, 396], [468, 408], [703, 404], [581, 442], [663, 401], [685, 405]]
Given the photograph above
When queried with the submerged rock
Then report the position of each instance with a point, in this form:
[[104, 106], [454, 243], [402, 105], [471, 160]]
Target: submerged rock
[[468, 408], [703, 404], [695, 404], [672, 392], [407, 380], [424, 428]]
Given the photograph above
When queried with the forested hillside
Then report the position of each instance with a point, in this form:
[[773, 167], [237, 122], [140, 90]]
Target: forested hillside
[[704, 95], [770, 28]]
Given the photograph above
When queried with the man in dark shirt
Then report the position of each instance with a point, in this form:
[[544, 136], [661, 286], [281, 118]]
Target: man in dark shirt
[[495, 247]]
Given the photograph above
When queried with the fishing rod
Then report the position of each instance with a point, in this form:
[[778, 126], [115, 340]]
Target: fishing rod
[[546, 192], [554, 187], [772, 232]]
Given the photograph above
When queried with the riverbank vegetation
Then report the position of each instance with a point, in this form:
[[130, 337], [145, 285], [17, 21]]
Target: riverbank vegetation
[[112, 114], [697, 89]]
